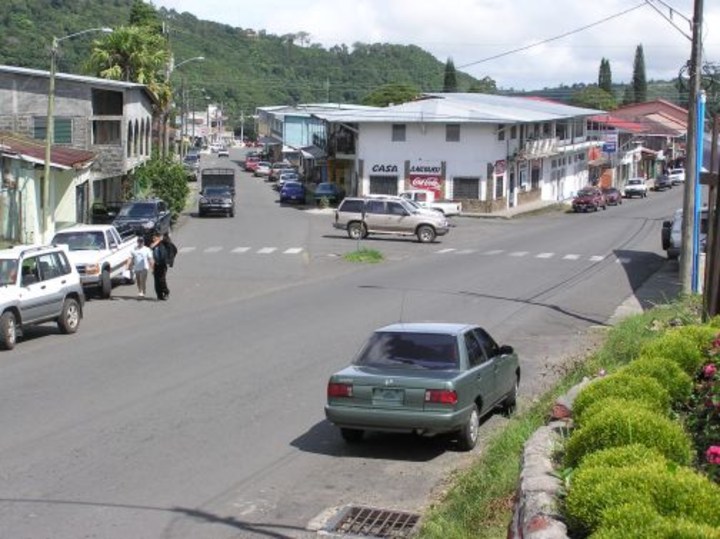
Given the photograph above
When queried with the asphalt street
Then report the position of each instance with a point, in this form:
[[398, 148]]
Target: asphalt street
[[203, 416]]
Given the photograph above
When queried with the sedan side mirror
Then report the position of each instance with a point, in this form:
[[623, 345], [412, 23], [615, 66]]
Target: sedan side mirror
[[506, 350]]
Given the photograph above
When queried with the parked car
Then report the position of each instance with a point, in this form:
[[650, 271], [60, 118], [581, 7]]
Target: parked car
[[143, 218], [262, 168], [671, 234], [613, 197], [104, 213], [329, 191], [360, 217], [635, 187], [417, 207], [426, 378], [216, 199], [662, 183], [677, 175], [251, 163], [39, 285], [292, 192], [191, 164], [280, 167], [285, 177], [223, 151], [589, 199]]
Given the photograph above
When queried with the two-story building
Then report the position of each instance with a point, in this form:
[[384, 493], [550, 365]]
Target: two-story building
[[111, 119], [488, 151]]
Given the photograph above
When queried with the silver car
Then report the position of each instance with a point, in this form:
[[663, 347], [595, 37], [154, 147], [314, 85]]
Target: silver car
[[38, 284], [360, 217]]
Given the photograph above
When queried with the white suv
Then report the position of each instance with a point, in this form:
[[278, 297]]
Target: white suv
[[635, 187], [37, 285], [676, 175]]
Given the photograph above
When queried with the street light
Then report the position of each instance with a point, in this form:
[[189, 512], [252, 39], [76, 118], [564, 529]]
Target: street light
[[50, 127], [170, 68]]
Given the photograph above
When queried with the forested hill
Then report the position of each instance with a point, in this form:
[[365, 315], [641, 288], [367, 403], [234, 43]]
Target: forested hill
[[243, 67]]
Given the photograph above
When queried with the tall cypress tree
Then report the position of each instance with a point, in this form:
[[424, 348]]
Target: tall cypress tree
[[639, 80], [450, 82], [605, 76]]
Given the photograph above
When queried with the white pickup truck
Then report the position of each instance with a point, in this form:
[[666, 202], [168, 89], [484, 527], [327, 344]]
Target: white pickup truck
[[99, 253], [426, 199]]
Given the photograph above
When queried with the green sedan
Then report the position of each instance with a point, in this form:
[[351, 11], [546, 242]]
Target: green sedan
[[427, 378]]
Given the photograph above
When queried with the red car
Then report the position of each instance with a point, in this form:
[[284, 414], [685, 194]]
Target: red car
[[613, 197], [251, 163], [589, 199]]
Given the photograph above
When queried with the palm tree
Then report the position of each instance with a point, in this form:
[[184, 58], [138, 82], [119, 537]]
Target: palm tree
[[131, 54]]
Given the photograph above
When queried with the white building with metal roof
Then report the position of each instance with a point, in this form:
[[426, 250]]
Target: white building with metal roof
[[488, 151]]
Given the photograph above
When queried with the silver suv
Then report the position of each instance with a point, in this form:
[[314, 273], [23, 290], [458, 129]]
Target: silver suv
[[360, 217], [37, 285]]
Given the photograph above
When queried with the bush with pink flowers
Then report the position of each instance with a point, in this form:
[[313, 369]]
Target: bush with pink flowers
[[703, 414]]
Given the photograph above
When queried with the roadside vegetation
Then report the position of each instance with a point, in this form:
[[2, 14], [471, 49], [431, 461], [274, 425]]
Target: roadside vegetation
[[364, 256], [165, 178], [657, 369]]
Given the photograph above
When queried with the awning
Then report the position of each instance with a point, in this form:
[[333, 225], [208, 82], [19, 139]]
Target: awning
[[269, 140], [313, 152], [26, 149]]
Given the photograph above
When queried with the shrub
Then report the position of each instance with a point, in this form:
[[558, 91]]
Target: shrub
[[626, 456], [670, 376], [621, 424], [673, 492], [640, 388], [637, 521], [680, 346], [599, 406]]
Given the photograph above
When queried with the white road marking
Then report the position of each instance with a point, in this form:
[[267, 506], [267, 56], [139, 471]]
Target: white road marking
[[519, 253], [623, 260], [465, 251], [241, 249], [596, 258], [267, 250], [293, 251], [186, 249], [443, 251], [571, 257], [495, 252], [545, 255], [215, 249]]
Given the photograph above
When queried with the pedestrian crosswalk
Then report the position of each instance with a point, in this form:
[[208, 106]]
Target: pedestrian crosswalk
[[448, 251]]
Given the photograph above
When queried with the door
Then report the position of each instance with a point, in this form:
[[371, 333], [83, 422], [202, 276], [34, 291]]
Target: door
[[503, 366], [397, 217], [34, 301], [482, 371], [375, 216]]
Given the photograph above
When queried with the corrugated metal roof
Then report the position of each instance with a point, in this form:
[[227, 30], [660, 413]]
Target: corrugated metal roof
[[464, 108], [32, 150], [95, 81], [618, 123]]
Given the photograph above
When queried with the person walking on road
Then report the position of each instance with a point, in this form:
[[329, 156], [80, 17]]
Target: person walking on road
[[141, 262], [160, 267]]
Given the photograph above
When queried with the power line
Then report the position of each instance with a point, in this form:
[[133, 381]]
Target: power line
[[554, 38]]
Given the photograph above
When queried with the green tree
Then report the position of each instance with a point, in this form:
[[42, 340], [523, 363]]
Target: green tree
[[639, 79], [391, 94], [450, 83], [605, 76], [593, 97], [144, 15], [486, 85], [131, 54], [165, 178]]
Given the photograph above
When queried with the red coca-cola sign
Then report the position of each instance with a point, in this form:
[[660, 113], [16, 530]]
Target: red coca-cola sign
[[428, 177]]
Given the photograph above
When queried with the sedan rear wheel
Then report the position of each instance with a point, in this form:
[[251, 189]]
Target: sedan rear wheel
[[352, 436], [510, 401], [8, 330], [468, 435], [69, 320]]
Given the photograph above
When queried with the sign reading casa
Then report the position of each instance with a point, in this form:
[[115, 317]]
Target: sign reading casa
[[386, 169]]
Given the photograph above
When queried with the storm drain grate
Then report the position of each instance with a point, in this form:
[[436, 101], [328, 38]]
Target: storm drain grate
[[369, 522]]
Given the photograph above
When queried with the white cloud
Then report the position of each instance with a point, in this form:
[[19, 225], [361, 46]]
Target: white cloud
[[473, 30]]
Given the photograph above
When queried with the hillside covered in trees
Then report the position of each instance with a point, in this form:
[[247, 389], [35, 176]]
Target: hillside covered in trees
[[243, 67]]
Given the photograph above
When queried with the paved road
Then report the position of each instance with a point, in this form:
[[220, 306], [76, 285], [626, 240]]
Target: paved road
[[202, 416]]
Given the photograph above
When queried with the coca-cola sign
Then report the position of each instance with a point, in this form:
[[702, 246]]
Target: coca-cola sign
[[432, 183], [426, 176]]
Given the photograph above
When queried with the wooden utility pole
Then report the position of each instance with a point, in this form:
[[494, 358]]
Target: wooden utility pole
[[711, 289]]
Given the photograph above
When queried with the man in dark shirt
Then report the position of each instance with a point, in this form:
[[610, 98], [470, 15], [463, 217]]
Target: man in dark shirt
[[160, 267]]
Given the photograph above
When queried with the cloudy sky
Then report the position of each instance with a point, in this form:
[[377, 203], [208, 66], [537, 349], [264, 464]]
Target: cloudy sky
[[472, 32]]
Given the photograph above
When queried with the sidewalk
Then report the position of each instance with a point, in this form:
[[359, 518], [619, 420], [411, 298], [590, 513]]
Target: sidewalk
[[529, 207]]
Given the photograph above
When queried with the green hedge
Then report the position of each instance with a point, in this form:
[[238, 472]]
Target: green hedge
[[622, 386], [670, 376], [625, 423], [637, 521], [686, 346], [625, 456], [671, 491]]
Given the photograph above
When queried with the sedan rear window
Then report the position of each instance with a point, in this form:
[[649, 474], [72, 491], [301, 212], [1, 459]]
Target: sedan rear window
[[421, 350]]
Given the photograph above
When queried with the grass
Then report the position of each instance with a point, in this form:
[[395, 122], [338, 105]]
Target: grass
[[364, 256], [479, 502]]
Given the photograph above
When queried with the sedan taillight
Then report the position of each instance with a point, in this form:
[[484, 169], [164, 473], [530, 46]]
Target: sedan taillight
[[335, 390], [441, 396]]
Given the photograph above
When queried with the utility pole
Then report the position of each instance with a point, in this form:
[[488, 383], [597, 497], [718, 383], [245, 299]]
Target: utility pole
[[711, 288], [688, 255]]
